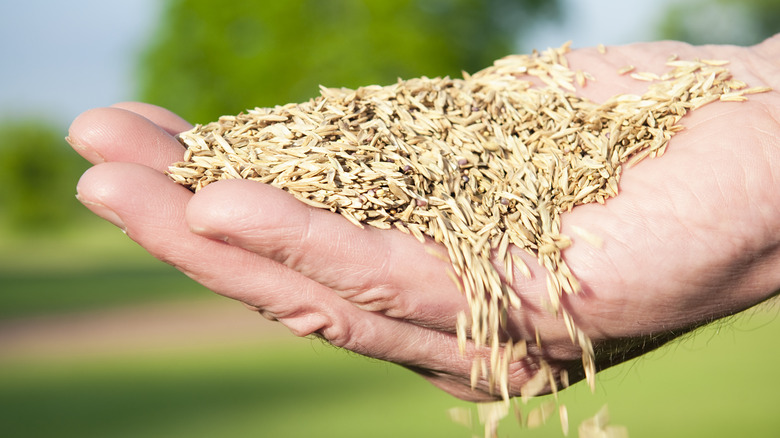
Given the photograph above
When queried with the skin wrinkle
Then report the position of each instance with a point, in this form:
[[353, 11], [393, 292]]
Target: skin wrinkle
[[162, 162], [381, 275], [252, 282], [636, 219], [285, 255], [684, 210], [361, 337], [276, 271], [307, 233], [150, 226], [609, 307], [378, 299], [706, 115], [367, 296], [457, 380], [380, 291], [457, 386], [774, 147], [743, 174], [179, 260], [310, 324], [395, 303], [291, 256], [693, 202], [311, 318], [372, 292], [442, 356], [317, 319], [736, 242], [453, 371], [699, 237]]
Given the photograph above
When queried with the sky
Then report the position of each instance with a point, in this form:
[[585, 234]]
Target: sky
[[60, 58], [588, 23]]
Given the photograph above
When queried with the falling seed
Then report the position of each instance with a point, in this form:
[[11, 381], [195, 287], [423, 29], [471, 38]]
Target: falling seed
[[563, 413], [460, 416]]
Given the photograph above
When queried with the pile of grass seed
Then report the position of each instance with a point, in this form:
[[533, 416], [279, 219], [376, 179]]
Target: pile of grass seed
[[476, 164]]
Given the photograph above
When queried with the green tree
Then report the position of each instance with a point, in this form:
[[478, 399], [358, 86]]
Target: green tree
[[37, 177], [210, 58], [741, 22]]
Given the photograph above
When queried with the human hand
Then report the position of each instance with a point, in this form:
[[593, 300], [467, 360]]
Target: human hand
[[693, 236]]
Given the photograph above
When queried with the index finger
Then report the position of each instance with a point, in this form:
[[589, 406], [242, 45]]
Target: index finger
[[118, 134]]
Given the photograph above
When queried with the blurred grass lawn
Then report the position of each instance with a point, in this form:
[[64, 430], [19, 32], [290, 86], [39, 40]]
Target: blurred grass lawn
[[716, 383], [89, 267]]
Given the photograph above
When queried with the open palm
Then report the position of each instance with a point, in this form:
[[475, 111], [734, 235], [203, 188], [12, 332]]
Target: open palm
[[693, 235]]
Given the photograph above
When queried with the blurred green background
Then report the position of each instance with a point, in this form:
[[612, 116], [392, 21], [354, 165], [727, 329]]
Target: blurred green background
[[98, 339]]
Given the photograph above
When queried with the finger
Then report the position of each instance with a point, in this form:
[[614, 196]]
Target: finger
[[165, 119], [378, 270], [151, 210], [115, 134]]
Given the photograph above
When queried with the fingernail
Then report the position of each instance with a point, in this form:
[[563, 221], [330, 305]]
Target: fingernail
[[87, 152], [104, 212]]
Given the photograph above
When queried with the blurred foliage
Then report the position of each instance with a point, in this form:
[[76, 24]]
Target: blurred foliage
[[38, 174], [740, 22], [212, 58]]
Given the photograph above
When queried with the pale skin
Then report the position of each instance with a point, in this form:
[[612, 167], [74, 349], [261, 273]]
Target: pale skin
[[692, 237]]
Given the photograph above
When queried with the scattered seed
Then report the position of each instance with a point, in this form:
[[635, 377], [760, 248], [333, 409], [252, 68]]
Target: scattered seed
[[461, 416], [539, 415], [598, 427], [592, 239], [626, 69], [563, 413]]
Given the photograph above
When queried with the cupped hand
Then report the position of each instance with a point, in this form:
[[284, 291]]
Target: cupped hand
[[693, 236]]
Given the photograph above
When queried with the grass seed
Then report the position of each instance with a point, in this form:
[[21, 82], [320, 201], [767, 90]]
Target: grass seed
[[473, 164]]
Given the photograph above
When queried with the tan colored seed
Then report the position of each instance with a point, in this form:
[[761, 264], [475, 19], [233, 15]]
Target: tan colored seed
[[592, 239]]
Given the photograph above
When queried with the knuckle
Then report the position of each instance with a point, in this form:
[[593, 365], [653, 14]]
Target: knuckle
[[338, 334], [379, 299]]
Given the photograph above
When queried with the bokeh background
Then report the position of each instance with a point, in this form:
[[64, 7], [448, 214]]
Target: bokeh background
[[97, 339]]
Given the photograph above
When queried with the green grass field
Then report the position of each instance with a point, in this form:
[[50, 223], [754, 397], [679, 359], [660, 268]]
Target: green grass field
[[94, 267], [718, 382], [709, 386]]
